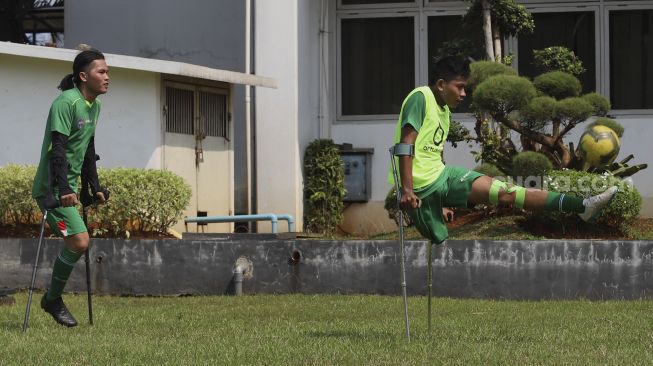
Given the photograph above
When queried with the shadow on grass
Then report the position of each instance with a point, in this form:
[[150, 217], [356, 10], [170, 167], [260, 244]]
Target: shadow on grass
[[349, 334]]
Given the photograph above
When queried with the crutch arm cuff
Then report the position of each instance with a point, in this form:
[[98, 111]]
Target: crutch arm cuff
[[402, 149]]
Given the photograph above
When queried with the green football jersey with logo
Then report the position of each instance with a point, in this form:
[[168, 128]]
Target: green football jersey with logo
[[75, 117], [432, 125]]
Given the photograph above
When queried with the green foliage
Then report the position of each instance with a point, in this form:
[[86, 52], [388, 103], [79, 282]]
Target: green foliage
[[16, 203], [390, 206], [489, 169], [461, 47], [539, 112], [620, 213], [482, 70], [574, 109], [142, 200], [557, 59], [558, 84], [610, 123], [503, 93], [512, 18], [530, 164], [600, 103], [457, 133], [324, 187]]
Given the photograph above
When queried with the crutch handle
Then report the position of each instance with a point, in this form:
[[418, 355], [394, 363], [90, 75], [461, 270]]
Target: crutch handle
[[49, 202]]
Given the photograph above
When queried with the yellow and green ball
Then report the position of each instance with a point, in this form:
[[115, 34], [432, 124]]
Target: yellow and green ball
[[599, 146]]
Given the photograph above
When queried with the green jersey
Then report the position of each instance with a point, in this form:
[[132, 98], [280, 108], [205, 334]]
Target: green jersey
[[422, 112], [75, 117]]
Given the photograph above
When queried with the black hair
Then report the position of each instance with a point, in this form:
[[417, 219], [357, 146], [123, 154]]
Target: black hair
[[449, 68], [82, 60]]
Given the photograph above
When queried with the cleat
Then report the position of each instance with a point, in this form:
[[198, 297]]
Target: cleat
[[59, 311], [594, 205]]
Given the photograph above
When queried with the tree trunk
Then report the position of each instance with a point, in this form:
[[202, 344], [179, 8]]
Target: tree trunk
[[487, 30], [496, 37]]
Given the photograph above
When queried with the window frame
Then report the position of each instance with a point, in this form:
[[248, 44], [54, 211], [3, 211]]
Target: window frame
[[619, 5], [370, 15], [567, 8], [413, 5]]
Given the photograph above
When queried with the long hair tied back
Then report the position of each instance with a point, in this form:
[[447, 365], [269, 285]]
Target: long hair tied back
[[82, 60]]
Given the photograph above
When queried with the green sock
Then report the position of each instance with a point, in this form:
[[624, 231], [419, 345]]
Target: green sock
[[61, 270], [565, 203]]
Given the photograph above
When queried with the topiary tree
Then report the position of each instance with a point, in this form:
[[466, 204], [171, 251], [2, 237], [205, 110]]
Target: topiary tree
[[529, 165], [498, 20], [324, 187], [557, 58]]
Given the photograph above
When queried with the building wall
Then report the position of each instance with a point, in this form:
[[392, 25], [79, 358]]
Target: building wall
[[128, 133], [203, 32], [278, 154]]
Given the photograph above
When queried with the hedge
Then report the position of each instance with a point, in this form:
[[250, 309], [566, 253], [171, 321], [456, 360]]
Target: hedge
[[142, 200]]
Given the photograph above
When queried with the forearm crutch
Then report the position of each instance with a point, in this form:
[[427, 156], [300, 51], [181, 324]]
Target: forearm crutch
[[401, 150], [49, 203]]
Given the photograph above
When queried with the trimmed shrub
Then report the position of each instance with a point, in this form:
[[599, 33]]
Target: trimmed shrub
[[324, 187], [610, 123], [558, 84], [16, 203], [142, 200], [531, 164], [618, 216], [504, 93], [539, 112], [482, 70], [600, 103], [557, 58], [489, 169], [574, 109]]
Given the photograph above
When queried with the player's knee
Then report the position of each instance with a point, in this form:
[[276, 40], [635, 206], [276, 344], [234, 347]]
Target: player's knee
[[505, 198], [78, 242]]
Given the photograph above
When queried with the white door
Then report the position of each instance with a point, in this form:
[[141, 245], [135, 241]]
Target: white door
[[197, 146]]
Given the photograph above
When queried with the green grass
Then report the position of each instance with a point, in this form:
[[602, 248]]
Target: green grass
[[330, 330]]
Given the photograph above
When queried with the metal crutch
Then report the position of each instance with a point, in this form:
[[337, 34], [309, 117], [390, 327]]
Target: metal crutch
[[87, 199], [49, 203], [401, 150]]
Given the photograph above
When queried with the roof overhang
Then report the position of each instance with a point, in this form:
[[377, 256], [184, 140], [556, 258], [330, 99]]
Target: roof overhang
[[141, 63]]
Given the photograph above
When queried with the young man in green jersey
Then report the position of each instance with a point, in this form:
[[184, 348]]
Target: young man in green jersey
[[428, 187], [68, 151]]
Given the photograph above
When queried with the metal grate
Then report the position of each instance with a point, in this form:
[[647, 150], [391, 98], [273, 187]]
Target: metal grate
[[180, 111], [213, 114]]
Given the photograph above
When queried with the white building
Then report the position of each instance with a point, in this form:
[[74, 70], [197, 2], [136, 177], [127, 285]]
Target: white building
[[343, 68]]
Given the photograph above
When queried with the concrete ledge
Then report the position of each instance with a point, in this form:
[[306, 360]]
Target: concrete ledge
[[474, 269]]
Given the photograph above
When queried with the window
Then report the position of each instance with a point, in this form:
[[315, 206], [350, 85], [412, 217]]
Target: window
[[193, 110], [443, 30], [368, 2], [631, 59], [377, 64], [574, 30]]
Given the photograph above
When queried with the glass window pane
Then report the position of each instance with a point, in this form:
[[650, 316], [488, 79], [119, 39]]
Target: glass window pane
[[443, 32], [574, 30], [377, 63], [631, 59]]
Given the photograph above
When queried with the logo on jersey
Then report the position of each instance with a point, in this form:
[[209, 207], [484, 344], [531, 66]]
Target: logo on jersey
[[62, 227], [80, 123]]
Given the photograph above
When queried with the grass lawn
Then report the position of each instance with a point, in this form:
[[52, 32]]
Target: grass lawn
[[330, 330]]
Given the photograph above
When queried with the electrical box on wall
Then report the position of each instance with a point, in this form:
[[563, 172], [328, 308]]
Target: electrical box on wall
[[358, 173]]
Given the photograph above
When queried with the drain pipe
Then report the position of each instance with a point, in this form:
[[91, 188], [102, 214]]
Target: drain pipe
[[243, 268], [238, 280]]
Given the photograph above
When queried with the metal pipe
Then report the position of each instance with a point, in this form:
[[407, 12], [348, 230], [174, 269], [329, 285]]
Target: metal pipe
[[238, 281], [274, 219]]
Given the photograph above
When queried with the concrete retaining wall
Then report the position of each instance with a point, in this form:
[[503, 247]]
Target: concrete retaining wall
[[477, 269]]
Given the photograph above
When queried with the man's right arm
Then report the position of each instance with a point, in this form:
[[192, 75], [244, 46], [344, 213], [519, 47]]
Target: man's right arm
[[408, 197]]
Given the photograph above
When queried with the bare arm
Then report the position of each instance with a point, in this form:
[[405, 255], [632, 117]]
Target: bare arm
[[408, 197]]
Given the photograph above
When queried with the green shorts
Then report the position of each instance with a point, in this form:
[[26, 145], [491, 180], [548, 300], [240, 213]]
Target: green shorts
[[64, 221], [451, 189]]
